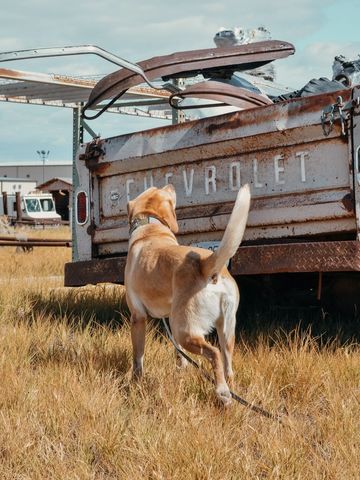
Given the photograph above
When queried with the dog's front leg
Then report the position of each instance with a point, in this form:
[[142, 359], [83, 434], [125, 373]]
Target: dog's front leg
[[138, 328]]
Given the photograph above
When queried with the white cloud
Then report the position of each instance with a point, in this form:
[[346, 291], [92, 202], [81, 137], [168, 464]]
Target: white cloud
[[314, 61], [142, 29]]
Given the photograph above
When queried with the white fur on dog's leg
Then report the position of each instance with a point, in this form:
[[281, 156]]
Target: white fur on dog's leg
[[224, 395], [181, 362]]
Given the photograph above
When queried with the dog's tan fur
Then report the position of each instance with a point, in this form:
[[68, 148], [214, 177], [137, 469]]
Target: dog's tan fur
[[191, 286]]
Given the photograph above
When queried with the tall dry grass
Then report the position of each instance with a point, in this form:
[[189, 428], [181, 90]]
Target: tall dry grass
[[42, 262], [69, 410]]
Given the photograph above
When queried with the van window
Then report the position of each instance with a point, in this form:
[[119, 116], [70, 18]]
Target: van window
[[32, 205], [47, 205]]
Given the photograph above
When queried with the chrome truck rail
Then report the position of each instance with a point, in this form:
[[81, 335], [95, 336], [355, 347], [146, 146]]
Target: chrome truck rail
[[45, 52]]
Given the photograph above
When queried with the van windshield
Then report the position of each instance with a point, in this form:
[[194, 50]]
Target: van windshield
[[47, 205], [32, 205]]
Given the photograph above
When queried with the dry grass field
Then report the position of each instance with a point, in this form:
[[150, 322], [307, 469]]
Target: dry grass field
[[69, 410]]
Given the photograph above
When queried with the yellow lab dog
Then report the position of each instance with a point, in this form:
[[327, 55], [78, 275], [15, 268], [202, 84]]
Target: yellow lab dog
[[191, 286]]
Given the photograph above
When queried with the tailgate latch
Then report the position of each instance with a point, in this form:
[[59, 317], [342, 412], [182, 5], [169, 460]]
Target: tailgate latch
[[337, 111]]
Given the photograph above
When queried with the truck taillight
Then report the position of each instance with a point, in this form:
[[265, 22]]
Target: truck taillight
[[81, 208]]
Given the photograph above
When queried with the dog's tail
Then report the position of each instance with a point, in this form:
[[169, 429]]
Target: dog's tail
[[234, 232]]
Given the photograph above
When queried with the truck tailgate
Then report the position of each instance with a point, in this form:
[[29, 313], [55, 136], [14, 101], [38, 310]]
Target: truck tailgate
[[300, 178]]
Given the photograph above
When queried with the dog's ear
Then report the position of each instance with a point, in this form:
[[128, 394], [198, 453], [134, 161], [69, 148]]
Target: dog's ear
[[171, 218], [171, 189], [170, 215], [130, 208]]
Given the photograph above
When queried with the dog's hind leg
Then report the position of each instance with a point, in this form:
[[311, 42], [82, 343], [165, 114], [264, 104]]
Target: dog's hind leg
[[225, 326], [199, 346], [227, 341], [138, 328], [181, 361]]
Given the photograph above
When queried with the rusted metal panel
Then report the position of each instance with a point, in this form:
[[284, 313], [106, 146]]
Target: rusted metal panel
[[299, 257], [95, 271], [356, 155], [299, 177], [282, 233], [267, 259], [180, 64], [302, 185], [299, 215], [285, 124], [203, 181]]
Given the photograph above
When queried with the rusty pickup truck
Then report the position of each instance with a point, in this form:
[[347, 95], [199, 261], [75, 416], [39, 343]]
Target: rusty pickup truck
[[301, 157]]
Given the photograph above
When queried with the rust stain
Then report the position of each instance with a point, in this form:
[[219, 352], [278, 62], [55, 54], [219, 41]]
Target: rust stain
[[229, 125], [73, 80], [279, 111], [100, 168], [297, 257], [141, 90], [5, 72], [95, 271]]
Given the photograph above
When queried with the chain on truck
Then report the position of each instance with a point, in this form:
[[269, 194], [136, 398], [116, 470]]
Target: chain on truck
[[298, 151]]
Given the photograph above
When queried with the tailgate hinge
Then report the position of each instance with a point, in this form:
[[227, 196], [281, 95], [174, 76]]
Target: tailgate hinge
[[94, 150]]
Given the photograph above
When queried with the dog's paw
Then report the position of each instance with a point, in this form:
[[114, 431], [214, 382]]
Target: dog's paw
[[137, 374], [224, 395], [181, 362]]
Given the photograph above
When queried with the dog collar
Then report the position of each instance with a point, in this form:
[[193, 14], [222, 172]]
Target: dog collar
[[139, 222]]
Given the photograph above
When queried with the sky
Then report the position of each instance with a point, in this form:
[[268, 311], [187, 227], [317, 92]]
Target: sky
[[137, 30]]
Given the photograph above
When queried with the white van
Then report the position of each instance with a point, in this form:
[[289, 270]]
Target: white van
[[34, 206]]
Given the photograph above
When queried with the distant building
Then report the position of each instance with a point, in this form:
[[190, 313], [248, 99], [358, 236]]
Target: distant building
[[36, 171], [12, 185], [61, 189]]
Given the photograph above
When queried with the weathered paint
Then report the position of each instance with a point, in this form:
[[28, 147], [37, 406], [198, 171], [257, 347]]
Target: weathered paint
[[302, 182], [297, 257], [356, 156], [284, 158], [254, 260]]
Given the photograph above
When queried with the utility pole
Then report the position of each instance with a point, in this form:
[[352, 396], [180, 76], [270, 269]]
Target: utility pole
[[44, 155]]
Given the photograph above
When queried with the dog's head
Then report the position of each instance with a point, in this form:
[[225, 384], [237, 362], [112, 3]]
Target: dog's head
[[157, 202]]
